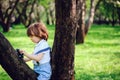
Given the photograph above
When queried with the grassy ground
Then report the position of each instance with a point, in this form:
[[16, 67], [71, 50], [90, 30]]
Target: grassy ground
[[97, 59]]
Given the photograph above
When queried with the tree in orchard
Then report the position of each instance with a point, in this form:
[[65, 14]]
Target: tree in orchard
[[64, 41]]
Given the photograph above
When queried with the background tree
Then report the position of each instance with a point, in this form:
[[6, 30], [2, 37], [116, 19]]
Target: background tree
[[64, 41], [100, 9], [49, 11], [91, 16], [108, 12], [80, 15], [6, 9], [25, 12], [83, 24]]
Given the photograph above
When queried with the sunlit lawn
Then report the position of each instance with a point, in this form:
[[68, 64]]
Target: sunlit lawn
[[97, 59]]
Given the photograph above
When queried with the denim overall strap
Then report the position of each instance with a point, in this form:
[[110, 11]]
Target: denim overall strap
[[48, 48]]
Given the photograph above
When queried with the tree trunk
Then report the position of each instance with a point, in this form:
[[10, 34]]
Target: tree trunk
[[7, 17], [91, 16], [83, 27], [14, 66], [80, 21], [47, 16], [64, 43], [5, 27], [113, 18]]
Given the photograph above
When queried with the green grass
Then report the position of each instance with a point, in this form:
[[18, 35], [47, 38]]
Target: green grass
[[97, 59]]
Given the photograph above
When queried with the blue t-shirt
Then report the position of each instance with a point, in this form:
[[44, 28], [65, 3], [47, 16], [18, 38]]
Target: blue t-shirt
[[42, 48], [43, 67]]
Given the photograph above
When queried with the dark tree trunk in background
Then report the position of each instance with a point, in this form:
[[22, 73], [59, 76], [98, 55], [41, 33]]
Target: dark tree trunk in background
[[47, 16], [82, 26], [91, 16], [15, 67], [80, 21], [113, 18], [5, 26], [64, 42], [30, 20], [5, 18], [118, 12]]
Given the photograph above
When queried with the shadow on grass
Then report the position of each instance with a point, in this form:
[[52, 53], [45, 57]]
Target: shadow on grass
[[117, 54]]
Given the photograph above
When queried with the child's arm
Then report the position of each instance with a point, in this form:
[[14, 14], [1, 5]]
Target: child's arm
[[26, 59], [37, 57]]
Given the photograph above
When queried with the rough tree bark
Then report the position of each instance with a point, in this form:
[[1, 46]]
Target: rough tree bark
[[91, 16], [80, 35], [83, 27], [64, 42], [14, 66]]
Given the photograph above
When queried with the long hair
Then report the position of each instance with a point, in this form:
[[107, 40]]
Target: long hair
[[38, 29]]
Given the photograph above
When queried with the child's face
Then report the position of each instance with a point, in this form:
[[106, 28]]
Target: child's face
[[35, 39]]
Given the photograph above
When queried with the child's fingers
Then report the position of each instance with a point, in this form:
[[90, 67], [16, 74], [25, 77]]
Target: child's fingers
[[22, 51]]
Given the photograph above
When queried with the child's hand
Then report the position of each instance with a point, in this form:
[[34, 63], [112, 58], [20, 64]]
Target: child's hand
[[22, 52]]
